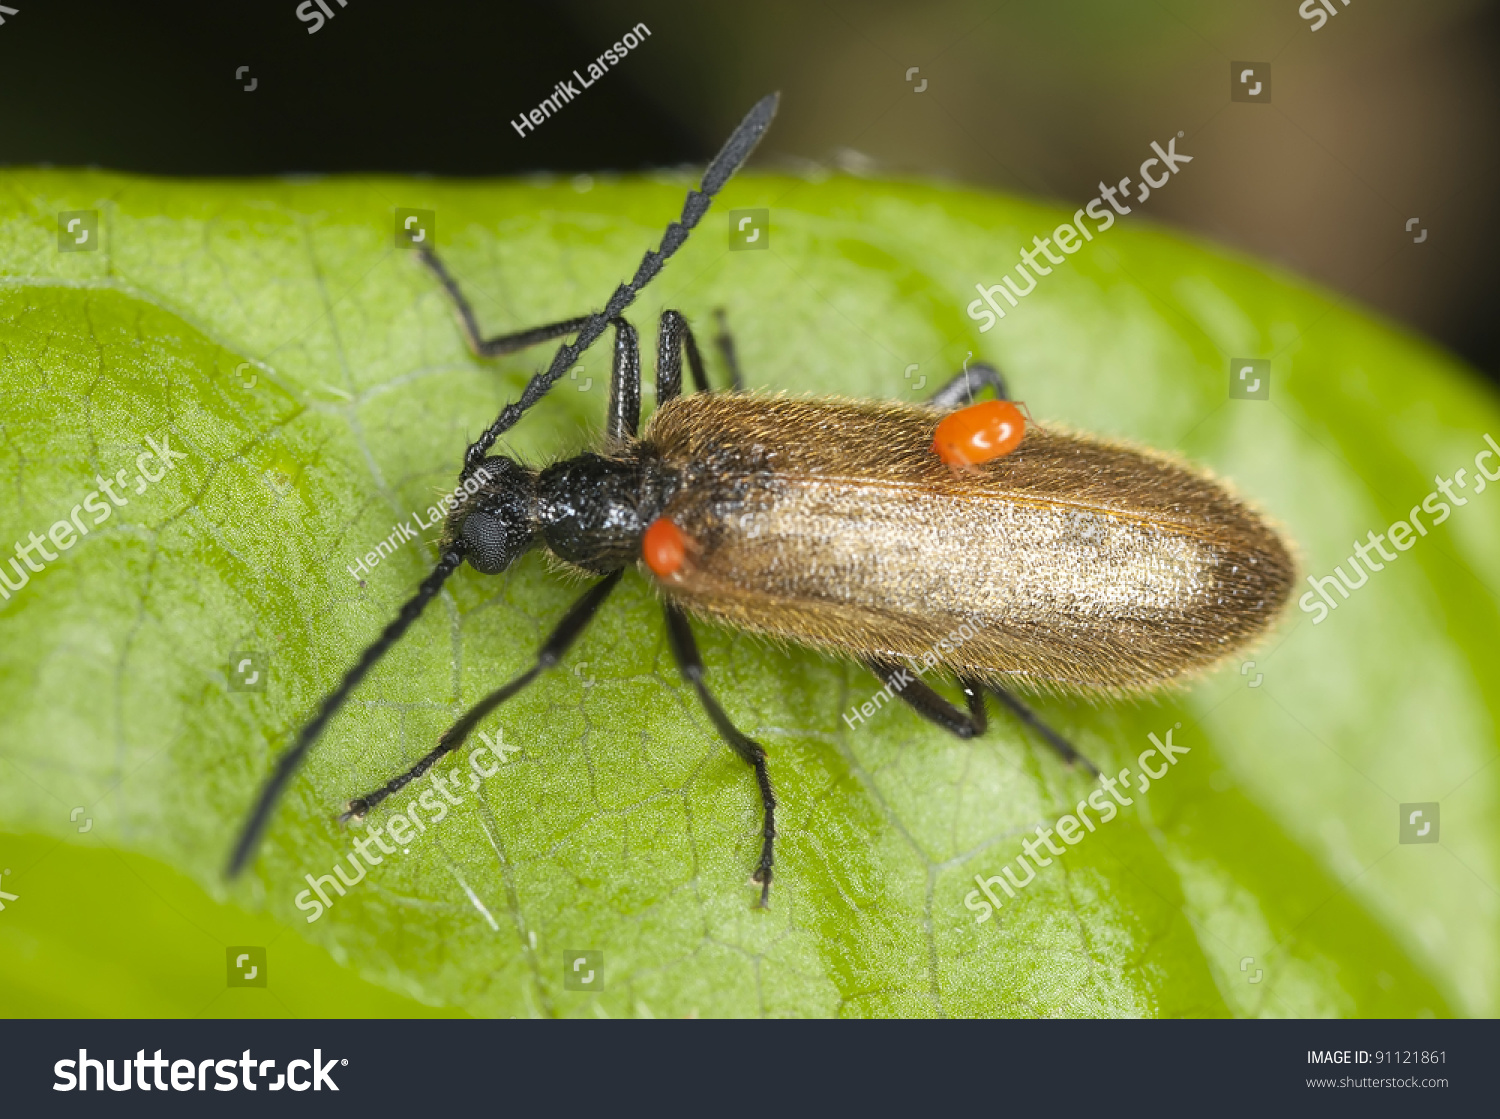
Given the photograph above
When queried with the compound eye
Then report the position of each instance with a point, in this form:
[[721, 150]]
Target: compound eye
[[486, 538], [979, 433]]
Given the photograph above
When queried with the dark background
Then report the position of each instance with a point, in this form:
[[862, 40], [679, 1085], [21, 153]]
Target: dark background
[[1388, 112]]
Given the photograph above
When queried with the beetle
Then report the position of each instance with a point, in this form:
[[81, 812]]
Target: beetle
[[867, 529]]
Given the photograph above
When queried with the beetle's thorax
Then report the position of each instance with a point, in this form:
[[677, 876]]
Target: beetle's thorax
[[593, 510]]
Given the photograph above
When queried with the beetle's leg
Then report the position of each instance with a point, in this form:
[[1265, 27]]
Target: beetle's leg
[[624, 417], [625, 382], [933, 707], [962, 389], [927, 703], [690, 664], [501, 343], [1064, 748], [674, 336], [725, 345], [574, 622]]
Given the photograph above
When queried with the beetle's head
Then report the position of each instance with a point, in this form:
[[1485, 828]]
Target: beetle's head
[[495, 518]]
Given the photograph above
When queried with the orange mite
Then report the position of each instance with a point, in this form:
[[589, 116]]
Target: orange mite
[[664, 548], [979, 433]]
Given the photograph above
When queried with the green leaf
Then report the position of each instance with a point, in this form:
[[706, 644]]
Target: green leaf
[[314, 377]]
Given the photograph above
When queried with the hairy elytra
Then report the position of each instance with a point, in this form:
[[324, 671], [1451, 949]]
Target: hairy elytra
[[1084, 566]]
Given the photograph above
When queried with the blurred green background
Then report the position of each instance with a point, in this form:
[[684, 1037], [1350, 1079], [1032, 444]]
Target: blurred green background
[[99, 932], [1388, 112]]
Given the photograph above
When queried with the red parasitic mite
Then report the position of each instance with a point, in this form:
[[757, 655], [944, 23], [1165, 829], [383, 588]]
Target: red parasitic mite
[[979, 433], [664, 548]]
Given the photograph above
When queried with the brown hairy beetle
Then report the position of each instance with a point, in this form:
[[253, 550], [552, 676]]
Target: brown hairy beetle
[[871, 530]]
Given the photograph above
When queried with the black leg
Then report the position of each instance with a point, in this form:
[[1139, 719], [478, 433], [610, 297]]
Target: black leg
[[674, 336], [902, 681], [574, 622], [1064, 748], [501, 343], [624, 418], [960, 391], [685, 649], [725, 343]]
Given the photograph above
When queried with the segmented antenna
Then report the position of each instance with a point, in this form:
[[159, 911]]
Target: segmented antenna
[[735, 151], [287, 764]]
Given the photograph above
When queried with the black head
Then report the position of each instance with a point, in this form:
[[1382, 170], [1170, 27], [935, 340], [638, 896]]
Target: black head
[[497, 522]]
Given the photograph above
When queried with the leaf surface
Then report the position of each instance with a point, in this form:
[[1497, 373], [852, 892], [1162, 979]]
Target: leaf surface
[[314, 378]]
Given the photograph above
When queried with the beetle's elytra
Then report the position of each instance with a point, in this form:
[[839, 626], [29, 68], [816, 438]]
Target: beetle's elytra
[[868, 529], [1081, 565]]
